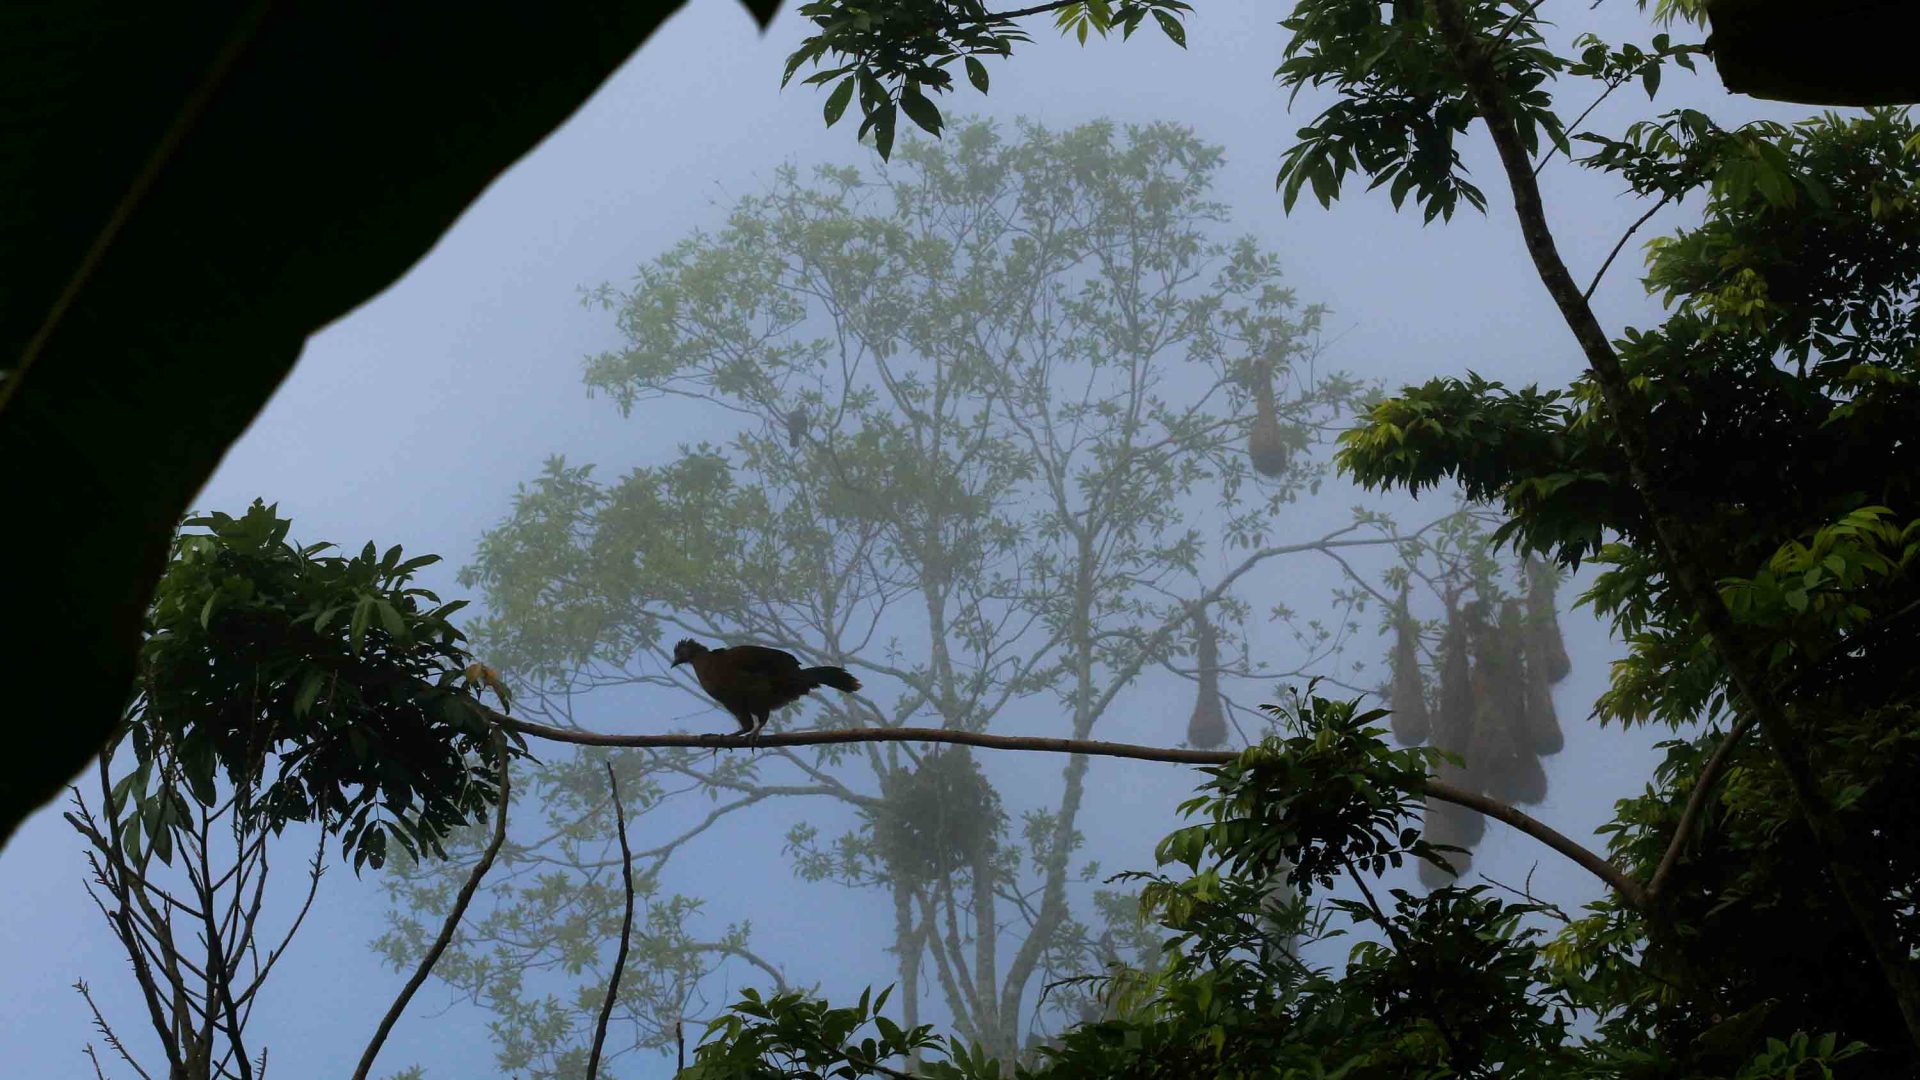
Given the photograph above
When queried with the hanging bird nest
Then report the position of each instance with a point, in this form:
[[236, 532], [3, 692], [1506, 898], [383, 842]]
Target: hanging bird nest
[[1408, 695], [1207, 729], [1455, 826], [1494, 705], [1501, 753], [938, 818], [1268, 447], [1544, 642], [1452, 724], [1545, 658]]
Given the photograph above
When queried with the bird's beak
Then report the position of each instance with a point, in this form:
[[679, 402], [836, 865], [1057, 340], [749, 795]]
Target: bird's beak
[[676, 663]]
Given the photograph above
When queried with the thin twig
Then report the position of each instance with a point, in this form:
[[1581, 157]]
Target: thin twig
[[1574, 127], [1696, 804], [107, 1033], [1624, 237], [1009, 16], [122, 920], [315, 869], [452, 924], [626, 931], [95, 1059]]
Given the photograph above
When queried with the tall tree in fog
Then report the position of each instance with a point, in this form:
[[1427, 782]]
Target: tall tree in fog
[[1010, 422], [1740, 472]]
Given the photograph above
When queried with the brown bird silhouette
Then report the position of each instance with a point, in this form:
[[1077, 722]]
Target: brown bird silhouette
[[750, 681]]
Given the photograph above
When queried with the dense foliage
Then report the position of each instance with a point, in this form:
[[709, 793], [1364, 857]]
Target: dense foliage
[[314, 687]]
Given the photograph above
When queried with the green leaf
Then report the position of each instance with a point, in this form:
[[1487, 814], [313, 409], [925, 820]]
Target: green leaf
[[163, 845], [415, 563], [919, 109], [309, 691], [977, 74], [357, 629], [1171, 27], [883, 120], [837, 101], [390, 620]]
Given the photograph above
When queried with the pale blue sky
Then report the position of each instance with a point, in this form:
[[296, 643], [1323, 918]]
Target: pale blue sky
[[411, 420]]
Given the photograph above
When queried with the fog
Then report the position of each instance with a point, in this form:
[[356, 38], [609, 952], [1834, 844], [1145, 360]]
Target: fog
[[412, 420]]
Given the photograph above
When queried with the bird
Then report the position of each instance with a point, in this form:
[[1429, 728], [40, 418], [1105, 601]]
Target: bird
[[750, 681]]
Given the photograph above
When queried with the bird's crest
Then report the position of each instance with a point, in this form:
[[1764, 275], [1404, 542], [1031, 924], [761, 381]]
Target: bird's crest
[[687, 649]]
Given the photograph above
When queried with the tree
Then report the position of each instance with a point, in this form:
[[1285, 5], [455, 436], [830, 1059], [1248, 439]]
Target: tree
[[190, 928], [278, 686], [1737, 472], [985, 401]]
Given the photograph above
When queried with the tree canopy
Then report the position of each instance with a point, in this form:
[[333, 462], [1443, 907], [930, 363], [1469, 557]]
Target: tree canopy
[[1018, 419]]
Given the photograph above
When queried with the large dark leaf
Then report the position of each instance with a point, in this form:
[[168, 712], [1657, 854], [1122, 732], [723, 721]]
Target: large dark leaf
[[1841, 52], [186, 193]]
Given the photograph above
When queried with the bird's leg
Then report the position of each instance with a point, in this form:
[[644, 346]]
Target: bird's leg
[[759, 725]]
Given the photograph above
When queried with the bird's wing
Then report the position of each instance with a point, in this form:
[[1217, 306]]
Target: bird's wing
[[760, 660]]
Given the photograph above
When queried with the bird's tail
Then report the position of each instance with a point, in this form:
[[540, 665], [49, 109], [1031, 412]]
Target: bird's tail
[[838, 678]]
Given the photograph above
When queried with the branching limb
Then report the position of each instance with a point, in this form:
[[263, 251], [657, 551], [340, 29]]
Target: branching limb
[[1624, 237], [626, 931], [452, 924], [106, 1032], [1696, 804], [741, 952], [122, 920]]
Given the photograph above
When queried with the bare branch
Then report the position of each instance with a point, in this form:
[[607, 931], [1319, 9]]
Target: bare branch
[[315, 869], [1696, 804], [1624, 237], [106, 1032], [452, 924], [626, 932]]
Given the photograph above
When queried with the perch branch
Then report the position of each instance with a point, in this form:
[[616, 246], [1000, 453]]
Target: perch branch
[[1628, 888]]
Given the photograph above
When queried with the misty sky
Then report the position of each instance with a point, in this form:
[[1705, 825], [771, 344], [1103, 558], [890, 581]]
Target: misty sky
[[411, 420]]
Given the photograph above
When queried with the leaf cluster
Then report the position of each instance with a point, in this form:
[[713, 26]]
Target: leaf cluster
[[318, 688], [1402, 105], [896, 54]]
